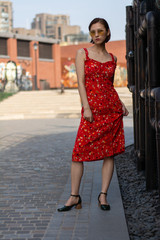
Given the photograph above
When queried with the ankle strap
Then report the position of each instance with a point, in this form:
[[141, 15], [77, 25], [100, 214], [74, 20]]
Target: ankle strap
[[74, 195], [103, 193]]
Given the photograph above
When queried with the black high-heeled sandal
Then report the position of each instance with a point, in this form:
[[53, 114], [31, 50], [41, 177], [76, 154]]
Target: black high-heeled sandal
[[103, 206], [77, 205]]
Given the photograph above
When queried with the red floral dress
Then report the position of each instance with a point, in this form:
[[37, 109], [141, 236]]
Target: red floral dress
[[104, 137]]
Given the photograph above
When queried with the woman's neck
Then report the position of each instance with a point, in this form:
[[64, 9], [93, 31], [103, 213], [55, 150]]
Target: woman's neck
[[99, 48]]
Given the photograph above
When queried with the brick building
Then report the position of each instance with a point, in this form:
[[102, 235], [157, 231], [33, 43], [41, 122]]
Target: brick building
[[54, 63], [29, 32], [45, 61]]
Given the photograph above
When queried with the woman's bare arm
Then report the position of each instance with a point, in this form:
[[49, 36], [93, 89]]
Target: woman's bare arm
[[80, 58]]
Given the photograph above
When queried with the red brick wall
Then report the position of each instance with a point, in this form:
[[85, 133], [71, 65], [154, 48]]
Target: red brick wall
[[57, 66], [53, 72], [50, 71], [118, 48], [68, 53]]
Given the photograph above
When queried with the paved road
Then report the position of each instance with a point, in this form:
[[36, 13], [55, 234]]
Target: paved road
[[35, 180]]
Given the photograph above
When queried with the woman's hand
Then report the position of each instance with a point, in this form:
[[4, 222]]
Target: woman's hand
[[124, 109], [88, 114]]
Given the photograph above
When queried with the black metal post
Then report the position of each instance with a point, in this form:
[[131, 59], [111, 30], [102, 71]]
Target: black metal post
[[141, 62], [148, 28], [130, 59], [35, 70], [35, 77], [155, 94], [136, 110], [141, 103], [143, 56]]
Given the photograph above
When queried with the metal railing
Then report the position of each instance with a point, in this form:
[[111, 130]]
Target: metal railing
[[143, 57]]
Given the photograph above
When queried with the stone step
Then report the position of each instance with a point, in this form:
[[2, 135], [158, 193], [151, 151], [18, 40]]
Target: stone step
[[42, 111], [41, 104], [47, 104], [38, 116]]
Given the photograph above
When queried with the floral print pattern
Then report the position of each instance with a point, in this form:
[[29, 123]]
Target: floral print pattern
[[104, 137]]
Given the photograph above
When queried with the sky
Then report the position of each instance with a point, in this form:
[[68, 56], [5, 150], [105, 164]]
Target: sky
[[81, 13]]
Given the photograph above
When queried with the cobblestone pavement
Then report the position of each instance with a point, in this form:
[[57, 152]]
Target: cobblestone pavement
[[34, 168], [35, 180], [35, 157]]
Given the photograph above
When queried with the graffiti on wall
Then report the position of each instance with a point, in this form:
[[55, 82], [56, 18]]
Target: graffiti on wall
[[69, 76], [10, 74], [22, 77], [120, 77]]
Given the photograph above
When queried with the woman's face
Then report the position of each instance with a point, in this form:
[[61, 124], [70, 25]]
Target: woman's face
[[98, 33]]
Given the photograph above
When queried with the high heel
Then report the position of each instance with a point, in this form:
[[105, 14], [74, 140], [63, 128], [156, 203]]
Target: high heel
[[103, 206], [77, 205]]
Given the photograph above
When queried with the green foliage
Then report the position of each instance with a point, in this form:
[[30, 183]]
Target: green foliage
[[4, 95]]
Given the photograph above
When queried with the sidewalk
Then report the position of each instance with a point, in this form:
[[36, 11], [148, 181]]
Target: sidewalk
[[91, 223], [35, 181]]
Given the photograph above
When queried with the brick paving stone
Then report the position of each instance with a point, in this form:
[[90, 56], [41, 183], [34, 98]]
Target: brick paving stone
[[6, 238], [38, 235], [41, 228], [35, 238], [23, 232], [31, 228], [4, 228], [50, 237], [14, 229], [21, 239]]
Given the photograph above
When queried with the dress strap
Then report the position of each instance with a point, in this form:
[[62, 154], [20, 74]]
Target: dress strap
[[86, 51], [112, 57]]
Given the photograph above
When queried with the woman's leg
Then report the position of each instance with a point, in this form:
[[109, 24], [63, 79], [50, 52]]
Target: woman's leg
[[107, 172], [76, 175]]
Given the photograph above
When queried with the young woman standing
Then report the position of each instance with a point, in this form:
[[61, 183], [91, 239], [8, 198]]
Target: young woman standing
[[100, 135]]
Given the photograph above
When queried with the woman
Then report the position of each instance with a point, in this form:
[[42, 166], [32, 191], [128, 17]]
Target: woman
[[100, 134]]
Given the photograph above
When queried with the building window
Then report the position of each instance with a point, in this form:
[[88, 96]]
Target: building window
[[45, 50], [23, 49], [3, 46]]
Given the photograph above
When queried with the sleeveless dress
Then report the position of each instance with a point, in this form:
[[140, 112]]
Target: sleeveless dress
[[104, 137]]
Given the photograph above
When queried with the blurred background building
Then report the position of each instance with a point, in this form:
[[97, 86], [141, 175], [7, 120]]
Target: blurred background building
[[53, 60], [24, 31], [43, 25], [58, 27], [6, 16]]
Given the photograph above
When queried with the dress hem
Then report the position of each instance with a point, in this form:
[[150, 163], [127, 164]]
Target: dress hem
[[115, 154]]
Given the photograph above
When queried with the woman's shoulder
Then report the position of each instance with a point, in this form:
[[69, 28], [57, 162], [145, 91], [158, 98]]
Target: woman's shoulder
[[81, 51]]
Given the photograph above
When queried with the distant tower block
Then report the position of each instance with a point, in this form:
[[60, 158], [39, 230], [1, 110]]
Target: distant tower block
[[6, 16]]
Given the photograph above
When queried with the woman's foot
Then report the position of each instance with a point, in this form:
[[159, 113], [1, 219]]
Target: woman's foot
[[103, 202], [73, 201]]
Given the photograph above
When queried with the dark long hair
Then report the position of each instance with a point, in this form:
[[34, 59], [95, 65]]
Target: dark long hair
[[104, 23]]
